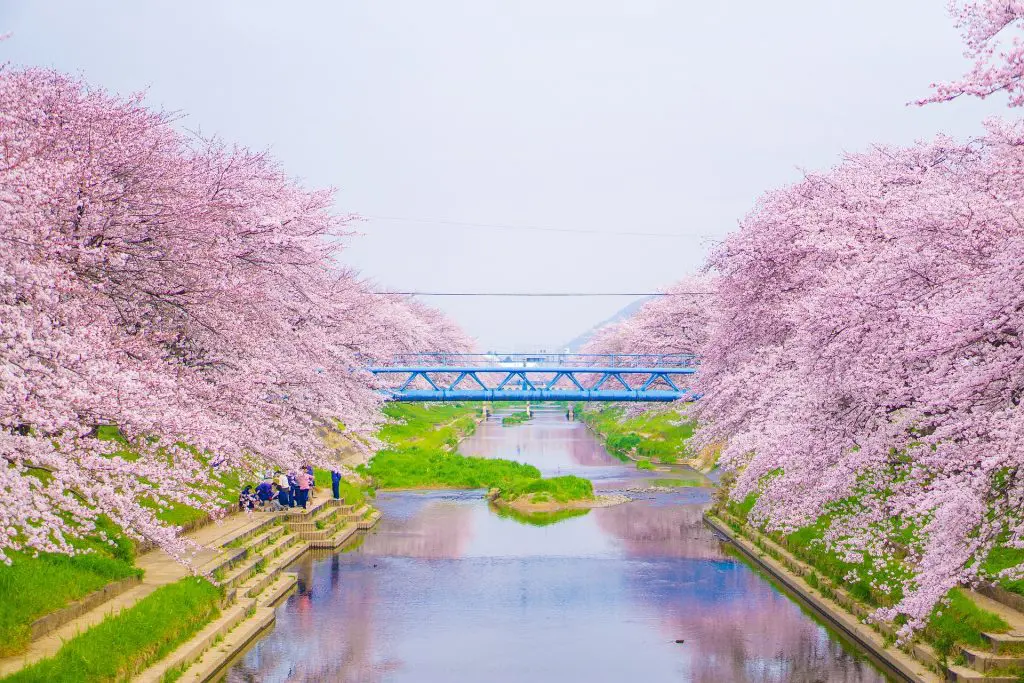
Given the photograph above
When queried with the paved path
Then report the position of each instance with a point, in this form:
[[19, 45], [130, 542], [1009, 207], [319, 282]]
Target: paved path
[[160, 569]]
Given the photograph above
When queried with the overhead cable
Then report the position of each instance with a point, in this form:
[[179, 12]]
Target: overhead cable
[[549, 294], [533, 228]]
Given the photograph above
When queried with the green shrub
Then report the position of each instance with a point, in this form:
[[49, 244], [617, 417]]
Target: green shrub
[[658, 435], [515, 419]]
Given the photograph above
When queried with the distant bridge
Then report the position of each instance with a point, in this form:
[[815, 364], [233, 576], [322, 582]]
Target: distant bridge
[[538, 377]]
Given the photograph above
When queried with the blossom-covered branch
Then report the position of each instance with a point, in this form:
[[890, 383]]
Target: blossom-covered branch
[[181, 289]]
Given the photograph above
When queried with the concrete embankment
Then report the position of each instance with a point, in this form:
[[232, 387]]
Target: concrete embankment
[[896, 660], [920, 662]]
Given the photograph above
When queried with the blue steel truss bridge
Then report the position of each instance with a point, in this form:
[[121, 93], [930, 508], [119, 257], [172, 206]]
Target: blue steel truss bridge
[[538, 377]]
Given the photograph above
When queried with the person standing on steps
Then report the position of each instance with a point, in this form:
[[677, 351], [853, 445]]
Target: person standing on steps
[[283, 494], [284, 489], [293, 484], [304, 482], [336, 484], [312, 478]]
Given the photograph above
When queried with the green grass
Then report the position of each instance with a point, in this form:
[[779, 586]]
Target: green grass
[[644, 465], [659, 436], [563, 489], [34, 586], [428, 425], [420, 454], [515, 419], [125, 644], [351, 494], [960, 622], [1002, 558]]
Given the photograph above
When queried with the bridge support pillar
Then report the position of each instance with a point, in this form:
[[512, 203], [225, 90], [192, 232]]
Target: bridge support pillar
[[529, 409], [572, 412]]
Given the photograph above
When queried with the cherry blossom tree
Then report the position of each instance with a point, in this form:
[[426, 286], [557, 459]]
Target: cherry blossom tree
[[866, 359], [986, 26], [181, 289], [675, 323], [678, 323]]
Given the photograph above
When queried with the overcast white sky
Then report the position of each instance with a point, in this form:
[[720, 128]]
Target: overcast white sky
[[666, 116]]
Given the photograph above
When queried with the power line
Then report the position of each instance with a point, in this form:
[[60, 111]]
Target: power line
[[533, 228], [549, 294]]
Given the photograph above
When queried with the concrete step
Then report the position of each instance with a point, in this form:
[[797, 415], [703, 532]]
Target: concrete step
[[240, 573], [1004, 643], [961, 674], [316, 522], [193, 649], [1011, 642], [223, 561], [258, 522], [255, 543], [368, 521], [210, 663], [1013, 601], [54, 620], [284, 554], [334, 537], [986, 662], [283, 584]]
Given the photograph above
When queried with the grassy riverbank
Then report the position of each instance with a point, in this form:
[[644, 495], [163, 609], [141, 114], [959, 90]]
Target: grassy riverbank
[[420, 453], [958, 622], [127, 643], [657, 436], [31, 587]]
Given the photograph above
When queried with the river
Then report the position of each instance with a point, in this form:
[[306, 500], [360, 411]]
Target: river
[[445, 589]]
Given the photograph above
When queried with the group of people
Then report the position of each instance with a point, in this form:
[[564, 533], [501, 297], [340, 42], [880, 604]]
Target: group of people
[[279, 491]]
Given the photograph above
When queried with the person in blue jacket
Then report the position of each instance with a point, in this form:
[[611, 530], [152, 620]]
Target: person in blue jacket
[[293, 482], [265, 491], [336, 483], [284, 495]]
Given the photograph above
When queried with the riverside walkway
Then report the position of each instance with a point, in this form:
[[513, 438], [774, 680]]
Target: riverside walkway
[[246, 553]]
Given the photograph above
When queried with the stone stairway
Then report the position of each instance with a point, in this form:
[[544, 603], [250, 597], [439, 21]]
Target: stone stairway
[[249, 565], [1005, 651], [245, 553]]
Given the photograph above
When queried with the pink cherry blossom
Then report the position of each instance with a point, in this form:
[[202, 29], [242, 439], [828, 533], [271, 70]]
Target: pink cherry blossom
[[988, 29], [866, 347], [180, 288]]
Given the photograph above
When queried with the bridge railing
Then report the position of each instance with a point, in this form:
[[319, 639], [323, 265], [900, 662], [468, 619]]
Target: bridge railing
[[538, 360], [540, 377]]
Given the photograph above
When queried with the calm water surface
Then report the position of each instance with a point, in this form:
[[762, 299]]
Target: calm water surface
[[444, 589]]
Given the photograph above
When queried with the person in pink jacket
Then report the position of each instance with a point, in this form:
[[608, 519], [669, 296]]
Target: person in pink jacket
[[304, 485]]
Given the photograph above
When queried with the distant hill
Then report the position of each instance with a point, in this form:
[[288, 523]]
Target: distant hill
[[577, 343]]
